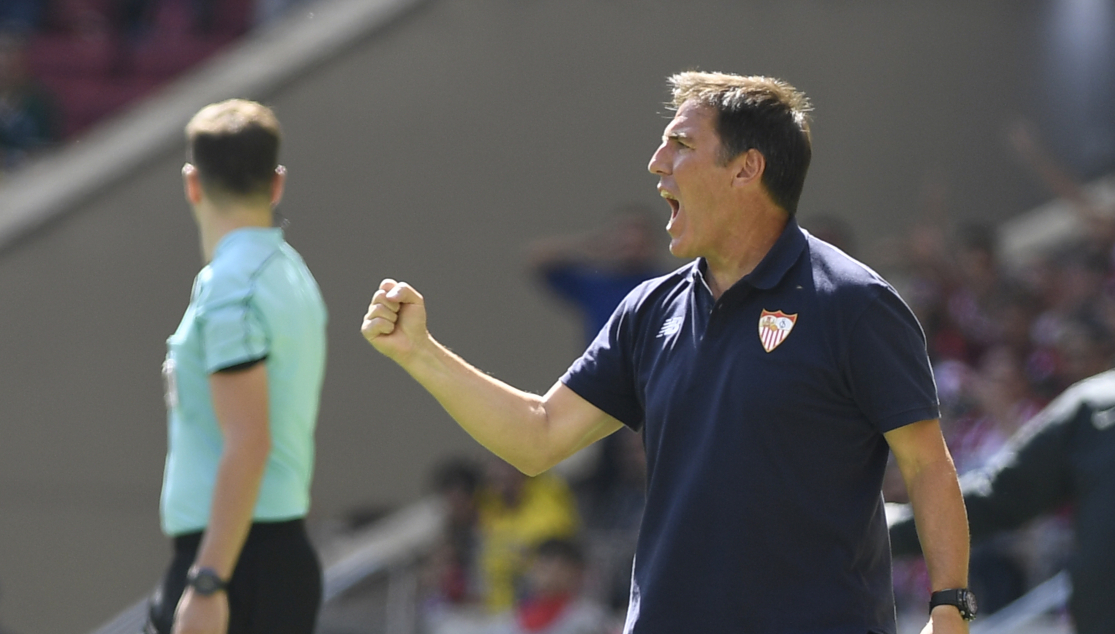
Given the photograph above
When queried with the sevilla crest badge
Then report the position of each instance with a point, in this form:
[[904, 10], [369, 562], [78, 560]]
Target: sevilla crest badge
[[774, 327]]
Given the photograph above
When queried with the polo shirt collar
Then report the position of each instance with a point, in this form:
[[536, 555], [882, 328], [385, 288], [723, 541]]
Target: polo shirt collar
[[774, 265], [777, 262], [264, 235]]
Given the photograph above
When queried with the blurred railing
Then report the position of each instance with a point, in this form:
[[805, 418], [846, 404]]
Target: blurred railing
[[1046, 597]]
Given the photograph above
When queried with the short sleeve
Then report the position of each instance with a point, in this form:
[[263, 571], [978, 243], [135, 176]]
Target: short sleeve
[[888, 367], [233, 334], [604, 375]]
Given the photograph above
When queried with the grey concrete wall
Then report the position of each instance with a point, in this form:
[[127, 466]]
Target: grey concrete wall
[[432, 153]]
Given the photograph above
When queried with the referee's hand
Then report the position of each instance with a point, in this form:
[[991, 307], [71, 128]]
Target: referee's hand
[[197, 614], [395, 323]]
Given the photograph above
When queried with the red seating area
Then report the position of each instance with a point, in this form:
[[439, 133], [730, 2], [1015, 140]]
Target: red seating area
[[94, 67]]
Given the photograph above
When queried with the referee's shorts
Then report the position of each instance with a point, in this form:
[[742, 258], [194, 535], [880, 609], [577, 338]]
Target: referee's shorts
[[275, 588]]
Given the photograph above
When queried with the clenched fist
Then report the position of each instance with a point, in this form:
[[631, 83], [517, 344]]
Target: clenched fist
[[395, 323]]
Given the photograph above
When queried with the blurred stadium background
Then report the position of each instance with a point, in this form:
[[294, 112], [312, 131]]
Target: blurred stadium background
[[428, 140]]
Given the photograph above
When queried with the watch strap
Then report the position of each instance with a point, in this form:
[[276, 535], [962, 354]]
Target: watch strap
[[960, 598]]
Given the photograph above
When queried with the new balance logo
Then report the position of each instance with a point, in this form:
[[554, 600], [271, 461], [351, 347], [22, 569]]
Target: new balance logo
[[671, 326]]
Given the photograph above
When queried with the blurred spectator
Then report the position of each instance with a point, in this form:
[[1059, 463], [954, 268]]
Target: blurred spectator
[[554, 603], [595, 270], [1072, 334], [453, 571], [612, 499], [516, 513], [612, 503], [1000, 401], [1063, 456], [1098, 219], [28, 120], [955, 284], [1084, 348], [450, 588]]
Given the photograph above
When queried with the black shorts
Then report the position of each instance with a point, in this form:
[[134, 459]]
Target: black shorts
[[275, 587]]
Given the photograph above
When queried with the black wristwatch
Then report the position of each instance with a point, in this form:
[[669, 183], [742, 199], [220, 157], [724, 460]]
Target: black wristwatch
[[205, 581], [961, 598]]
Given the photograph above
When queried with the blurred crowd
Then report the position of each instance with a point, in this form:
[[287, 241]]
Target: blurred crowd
[[1004, 341], [526, 554], [65, 64]]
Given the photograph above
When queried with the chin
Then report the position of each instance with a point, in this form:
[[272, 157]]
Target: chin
[[679, 251]]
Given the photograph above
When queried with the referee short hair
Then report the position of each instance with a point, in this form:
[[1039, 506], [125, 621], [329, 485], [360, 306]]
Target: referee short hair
[[760, 113], [234, 145]]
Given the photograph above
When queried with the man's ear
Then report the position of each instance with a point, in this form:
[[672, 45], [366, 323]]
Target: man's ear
[[192, 183], [278, 184], [749, 167]]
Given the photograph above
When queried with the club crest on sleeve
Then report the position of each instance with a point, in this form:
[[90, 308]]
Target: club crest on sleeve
[[774, 327]]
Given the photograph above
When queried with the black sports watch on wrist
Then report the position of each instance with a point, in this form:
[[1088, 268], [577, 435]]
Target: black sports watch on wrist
[[205, 581], [960, 598]]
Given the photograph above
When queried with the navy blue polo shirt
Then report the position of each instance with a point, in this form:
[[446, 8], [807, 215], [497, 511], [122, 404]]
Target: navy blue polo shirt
[[763, 415]]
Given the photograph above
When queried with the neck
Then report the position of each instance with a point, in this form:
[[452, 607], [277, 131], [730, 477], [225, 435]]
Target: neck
[[749, 241], [215, 222]]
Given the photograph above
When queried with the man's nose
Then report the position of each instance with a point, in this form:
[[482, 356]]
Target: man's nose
[[658, 163]]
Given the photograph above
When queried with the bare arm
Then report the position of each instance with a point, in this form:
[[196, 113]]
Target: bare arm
[[240, 402], [531, 432], [942, 524]]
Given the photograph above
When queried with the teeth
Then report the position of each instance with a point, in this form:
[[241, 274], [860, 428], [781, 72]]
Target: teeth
[[667, 195]]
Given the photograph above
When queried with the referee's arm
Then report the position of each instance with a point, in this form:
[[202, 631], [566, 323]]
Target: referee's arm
[[938, 506], [240, 401]]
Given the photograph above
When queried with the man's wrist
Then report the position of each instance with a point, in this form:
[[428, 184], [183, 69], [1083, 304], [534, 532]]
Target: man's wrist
[[959, 601]]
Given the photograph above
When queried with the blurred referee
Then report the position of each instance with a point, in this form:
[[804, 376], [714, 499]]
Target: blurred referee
[[769, 377], [243, 379]]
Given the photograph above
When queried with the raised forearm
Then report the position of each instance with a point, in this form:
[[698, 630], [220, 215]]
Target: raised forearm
[[509, 422], [531, 432]]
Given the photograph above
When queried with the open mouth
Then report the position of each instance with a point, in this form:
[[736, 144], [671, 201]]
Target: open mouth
[[670, 200]]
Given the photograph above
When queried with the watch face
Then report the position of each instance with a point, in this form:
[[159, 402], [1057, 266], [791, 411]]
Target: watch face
[[969, 601], [205, 582]]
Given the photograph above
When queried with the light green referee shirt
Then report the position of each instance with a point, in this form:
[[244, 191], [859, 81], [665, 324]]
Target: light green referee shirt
[[255, 300]]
